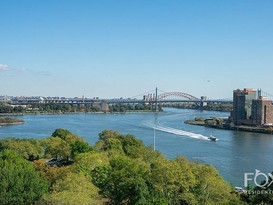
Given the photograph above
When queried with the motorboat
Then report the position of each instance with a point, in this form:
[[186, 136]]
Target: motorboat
[[212, 138]]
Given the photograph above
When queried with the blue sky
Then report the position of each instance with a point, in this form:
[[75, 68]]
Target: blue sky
[[114, 48]]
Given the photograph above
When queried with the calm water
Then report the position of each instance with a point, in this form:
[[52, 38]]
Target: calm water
[[233, 154]]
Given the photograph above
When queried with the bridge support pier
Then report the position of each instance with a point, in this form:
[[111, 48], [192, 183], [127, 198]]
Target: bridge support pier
[[203, 102], [104, 106]]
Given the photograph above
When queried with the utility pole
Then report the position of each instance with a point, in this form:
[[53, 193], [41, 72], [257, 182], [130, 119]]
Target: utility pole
[[156, 99], [154, 137]]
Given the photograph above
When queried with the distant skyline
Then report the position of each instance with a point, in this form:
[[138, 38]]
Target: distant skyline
[[121, 48]]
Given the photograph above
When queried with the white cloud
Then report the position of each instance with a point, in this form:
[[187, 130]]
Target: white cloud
[[12, 71], [23, 69], [4, 67]]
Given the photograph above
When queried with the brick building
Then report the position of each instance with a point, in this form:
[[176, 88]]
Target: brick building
[[262, 111]]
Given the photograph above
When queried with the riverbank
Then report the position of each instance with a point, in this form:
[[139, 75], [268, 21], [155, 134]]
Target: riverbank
[[10, 121], [11, 114], [64, 113], [220, 123], [220, 106]]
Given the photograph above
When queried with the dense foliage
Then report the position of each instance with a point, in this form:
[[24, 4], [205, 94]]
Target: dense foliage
[[118, 169], [19, 183], [47, 108], [5, 108], [71, 108], [132, 107], [136, 174], [217, 106]]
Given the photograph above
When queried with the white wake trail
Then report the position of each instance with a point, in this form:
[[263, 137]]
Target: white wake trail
[[176, 131]]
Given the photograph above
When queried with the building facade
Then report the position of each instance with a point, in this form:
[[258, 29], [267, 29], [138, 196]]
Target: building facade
[[262, 111], [242, 106]]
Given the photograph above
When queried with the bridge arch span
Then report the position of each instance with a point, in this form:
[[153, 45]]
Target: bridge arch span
[[177, 94]]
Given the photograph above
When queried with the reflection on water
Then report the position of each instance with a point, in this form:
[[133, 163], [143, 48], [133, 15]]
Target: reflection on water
[[233, 154]]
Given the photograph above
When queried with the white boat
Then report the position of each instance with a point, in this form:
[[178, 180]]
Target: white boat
[[212, 138]]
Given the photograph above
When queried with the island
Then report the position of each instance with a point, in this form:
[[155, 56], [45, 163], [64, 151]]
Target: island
[[10, 121], [225, 123]]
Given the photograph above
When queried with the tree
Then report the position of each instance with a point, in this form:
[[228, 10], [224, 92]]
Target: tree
[[108, 134], [56, 147], [66, 136], [124, 181], [61, 133], [117, 143], [19, 182], [63, 144], [79, 147], [50, 173], [131, 146], [28, 148], [86, 162], [210, 188], [173, 182], [73, 189]]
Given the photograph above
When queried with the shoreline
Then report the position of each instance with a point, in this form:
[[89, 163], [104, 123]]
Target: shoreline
[[227, 126], [65, 113], [12, 123]]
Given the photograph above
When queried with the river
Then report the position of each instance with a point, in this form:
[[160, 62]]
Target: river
[[234, 154]]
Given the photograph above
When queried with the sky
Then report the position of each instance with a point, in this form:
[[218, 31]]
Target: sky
[[121, 48]]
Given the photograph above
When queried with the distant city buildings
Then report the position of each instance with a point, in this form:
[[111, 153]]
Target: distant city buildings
[[250, 109]]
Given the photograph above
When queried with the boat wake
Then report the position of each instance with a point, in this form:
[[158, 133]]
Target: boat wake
[[176, 131]]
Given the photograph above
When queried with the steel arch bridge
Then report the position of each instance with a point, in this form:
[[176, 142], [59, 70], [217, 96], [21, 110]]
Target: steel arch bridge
[[165, 95]]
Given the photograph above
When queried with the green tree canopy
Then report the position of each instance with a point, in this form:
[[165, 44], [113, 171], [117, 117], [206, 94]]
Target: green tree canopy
[[61, 133], [57, 148], [28, 148], [139, 175], [86, 162], [123, 181], [80, 146], [19, 183], [73, 189], [119, 169]]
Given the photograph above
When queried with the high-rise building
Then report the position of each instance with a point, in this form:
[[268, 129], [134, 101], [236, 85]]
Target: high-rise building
[[262, 111], [242, 105]]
